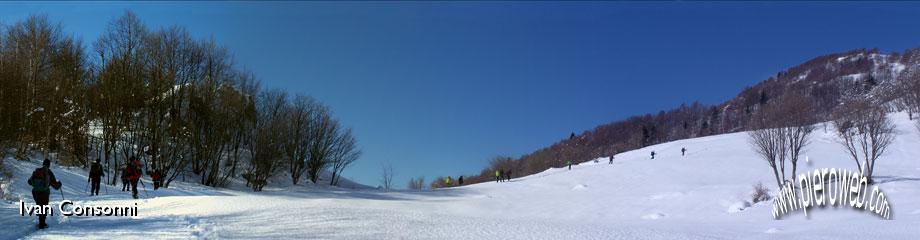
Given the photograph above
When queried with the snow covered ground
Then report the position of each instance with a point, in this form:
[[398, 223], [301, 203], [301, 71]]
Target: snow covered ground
[[703, 195]]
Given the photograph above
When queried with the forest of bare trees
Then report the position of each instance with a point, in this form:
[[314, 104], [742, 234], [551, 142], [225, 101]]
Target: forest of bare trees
[[176, 102], [416, 183]]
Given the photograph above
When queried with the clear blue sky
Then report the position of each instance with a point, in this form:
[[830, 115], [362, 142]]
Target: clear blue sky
[[438, 88]]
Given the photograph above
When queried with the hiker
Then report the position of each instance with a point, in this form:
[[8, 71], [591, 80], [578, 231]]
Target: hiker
[[508, 175], [95, 177], [683, 151], [497, 179], [134, 174], [447, 181], [42, 178], [570, 164], [124, 179], [611, 159], [653, 154], [460, 181], [157, 178], [502, 175]]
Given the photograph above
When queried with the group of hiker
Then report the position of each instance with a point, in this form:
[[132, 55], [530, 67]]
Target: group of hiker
[[448, 181], [43, 179], [502, 175], [683, 152]]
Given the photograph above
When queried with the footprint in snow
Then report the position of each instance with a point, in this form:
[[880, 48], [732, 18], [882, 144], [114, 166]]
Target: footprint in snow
[[665, 195], [739, 207], [654, 216]]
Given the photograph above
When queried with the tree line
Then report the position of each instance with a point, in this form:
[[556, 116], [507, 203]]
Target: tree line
[[786, 105], [178, 103]]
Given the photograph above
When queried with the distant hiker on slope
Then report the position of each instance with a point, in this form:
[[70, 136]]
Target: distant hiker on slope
[[570, 164], [447, 181], [134, 174], [653, 154], [460, 181], [95, 177], [42, 178], [508, 175], [683, 151], [611, 159], [497, 176]]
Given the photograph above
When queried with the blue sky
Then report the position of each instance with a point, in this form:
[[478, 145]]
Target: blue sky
[[438, 88]]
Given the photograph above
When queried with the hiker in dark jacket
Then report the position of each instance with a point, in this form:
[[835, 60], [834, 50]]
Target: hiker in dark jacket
[[41, 181], [124, 179], [460, 181], [683, 151], [95, 177], [653, 154], [508, 175]]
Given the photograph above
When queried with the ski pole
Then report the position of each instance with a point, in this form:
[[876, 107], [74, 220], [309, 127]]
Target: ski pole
[[145, 188], [86, 185], [62, 193]]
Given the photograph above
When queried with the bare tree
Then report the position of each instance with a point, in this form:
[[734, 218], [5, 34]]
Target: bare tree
[[908, 94], [344, 153], [119, 81], [417, 183], [865, 131], [781, 131], [386, 178], [769, 141], [797, 115], [323, 132], [297, 144], [268, 134]]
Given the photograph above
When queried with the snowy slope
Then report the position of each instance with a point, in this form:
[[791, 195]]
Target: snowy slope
[[698, 196]]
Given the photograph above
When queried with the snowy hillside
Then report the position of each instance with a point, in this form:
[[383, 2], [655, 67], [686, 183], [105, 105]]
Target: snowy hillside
[[703, 195]]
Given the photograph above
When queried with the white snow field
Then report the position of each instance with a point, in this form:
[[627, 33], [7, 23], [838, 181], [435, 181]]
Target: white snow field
[[703, 195]]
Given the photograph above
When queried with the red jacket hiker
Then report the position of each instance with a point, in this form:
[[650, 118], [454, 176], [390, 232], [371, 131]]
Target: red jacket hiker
[[133, 171]]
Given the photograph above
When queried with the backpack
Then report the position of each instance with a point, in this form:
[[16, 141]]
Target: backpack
[[96, 170], [40, 180]]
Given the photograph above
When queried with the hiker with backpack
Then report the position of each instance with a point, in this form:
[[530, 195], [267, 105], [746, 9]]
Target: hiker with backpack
[[683, 151], [95, 177], [42, 180], [134, 174], [653, 154]]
